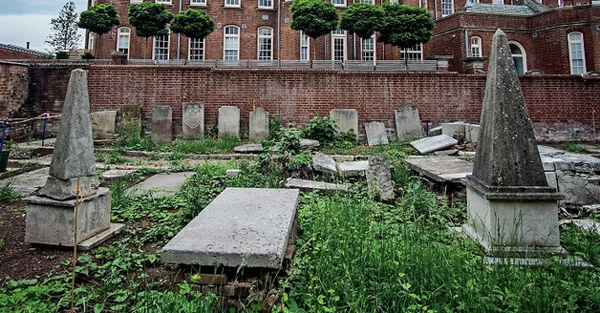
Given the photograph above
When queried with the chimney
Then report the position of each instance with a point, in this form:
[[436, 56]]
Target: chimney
[[28, 43]]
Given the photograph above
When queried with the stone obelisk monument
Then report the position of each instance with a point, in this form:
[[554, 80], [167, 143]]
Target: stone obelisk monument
[[51, 213], [510, 205]]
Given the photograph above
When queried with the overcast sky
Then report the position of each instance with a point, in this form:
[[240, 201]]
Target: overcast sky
[[29, 20]]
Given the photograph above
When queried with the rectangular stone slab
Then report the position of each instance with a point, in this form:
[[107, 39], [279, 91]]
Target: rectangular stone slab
[[441, 169], [161, 185], [430, 144], [241, 227]]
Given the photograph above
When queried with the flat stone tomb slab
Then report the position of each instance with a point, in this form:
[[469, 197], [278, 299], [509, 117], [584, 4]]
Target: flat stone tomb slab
[[161, 185], [305, 184], [115, 174], [430, 144], [28, 183], [441, 169], [242, 227]]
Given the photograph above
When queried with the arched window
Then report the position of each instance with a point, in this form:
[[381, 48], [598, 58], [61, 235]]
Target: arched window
[[519, 56], [231, 43], [476, 47], [124, 34], [265, 44], [576, 53]]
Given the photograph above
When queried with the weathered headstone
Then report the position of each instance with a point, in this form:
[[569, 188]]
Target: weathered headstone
[[376, 134], [456, 129], [346, 120], [229, 122], [249, 148], [324, 163], [162, 123], [192, 120], [353, 168], [430, 144], [305, 184], [309, 143], [510, 205], [379, 177], [72, 181], [436, 131], [408, 123], [104, 124], [259, 125], [472, 133], [115, 174], [131, 119]]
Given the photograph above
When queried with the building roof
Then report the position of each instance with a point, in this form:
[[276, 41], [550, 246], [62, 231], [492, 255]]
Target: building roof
[[22, 50], [527, 9]]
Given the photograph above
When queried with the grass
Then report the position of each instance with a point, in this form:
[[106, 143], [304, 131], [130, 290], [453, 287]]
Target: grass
[[8, 194], [573, 146]]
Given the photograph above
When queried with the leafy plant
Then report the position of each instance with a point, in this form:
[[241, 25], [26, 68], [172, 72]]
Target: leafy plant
[[193, 24], [362, 19], [315, 18], [99, 19], [321, 129], [574, 146], [287, 139], [8, 194], [88, 56], [149, 19]]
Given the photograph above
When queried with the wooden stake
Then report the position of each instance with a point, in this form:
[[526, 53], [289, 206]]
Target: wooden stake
[[77, 198]]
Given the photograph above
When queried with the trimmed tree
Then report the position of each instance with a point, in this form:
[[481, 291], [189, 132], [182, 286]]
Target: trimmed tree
[[193, 24], [149, 20], [99, 19], [314, 17], [362, 19], [64, 34], [404, 26]]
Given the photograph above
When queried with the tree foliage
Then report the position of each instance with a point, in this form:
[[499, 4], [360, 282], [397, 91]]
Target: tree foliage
[[193, 24], [64, 28], [314, 17], [405, 26], [149, 19], [99, 19], [363, 19]]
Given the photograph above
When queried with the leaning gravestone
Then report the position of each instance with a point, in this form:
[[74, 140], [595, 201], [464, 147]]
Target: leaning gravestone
[[379, 177], [51, 214], [376, 134], [259, 125], [510, 206], [346, 120], [104, 124], [408, 123], [229, 122], [131, 119], [162, 123], [193, 120], [324, 163]]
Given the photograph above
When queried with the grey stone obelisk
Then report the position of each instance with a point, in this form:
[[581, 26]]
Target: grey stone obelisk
[[51, 214], [510, 205]]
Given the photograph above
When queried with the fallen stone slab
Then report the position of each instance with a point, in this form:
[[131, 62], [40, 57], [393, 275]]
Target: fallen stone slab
[[161, 185], [324, 163], [353, 168], [309, 144], [435, 143], [588, 224], [232, 173], [314, 185], [111, 175], [441, 169], [27, 183], [249, 148], [247, 227]]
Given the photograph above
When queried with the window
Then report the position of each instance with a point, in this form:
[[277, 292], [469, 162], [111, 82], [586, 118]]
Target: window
[[137, 1], [124, 34], [576, 53], [423, 4], [91, 40], [163, 1], [265, 4], [161, 48], [338, 45], [414, 53], [476, 47], [231, 43], [265, 44], [497, 2], [232, 3], [368, 49], [339, 3], [198, 2], [519, 57], [447, 7], [304, 47], [393, 1], [368, 1], [196, 49]]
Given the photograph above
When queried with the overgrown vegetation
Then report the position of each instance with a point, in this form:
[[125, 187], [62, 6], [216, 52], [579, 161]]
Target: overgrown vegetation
[[8, 194], [574, 146]]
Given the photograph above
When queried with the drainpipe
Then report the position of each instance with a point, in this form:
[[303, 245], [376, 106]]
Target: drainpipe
[[279, 33], [467, 52], [179, 35], [434, 10]]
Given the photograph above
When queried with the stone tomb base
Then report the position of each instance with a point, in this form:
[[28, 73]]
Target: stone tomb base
[[513, 223], [51, 222]]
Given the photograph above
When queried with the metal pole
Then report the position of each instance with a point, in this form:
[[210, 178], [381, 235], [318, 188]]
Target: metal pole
[[44, 132], [3, 135]]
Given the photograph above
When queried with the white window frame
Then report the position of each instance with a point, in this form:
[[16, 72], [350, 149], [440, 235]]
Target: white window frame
[[571, 42], [304, 45], [91, 40], [338, 3], [337, 35], [225, 36], [136, 1], [423, 4], [368, 1], [523, 54], [259, 47], [154, 48], [393, 1], [192, 41], [233, 3], [198, 3], [444, 5], [128, 39], [416, 50], [265, 4], [476, 45], [373, 51], [163, 1]]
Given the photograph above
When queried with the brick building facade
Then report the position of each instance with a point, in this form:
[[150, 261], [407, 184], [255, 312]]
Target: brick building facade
[[543, 37], [12, 52]]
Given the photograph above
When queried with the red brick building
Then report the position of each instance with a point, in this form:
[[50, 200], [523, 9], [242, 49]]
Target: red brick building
[[555, 37], [12, 52]]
